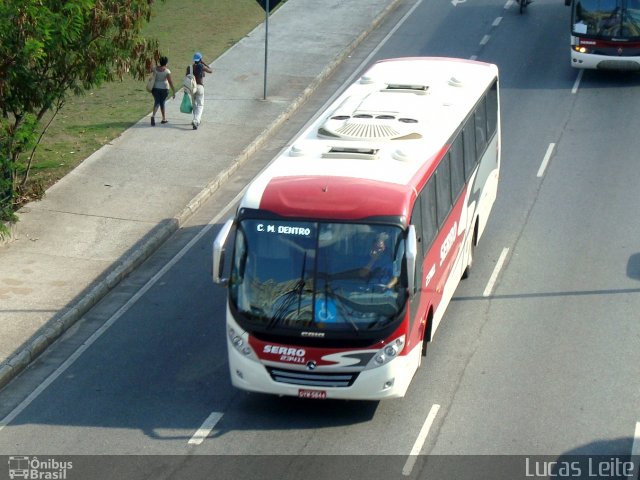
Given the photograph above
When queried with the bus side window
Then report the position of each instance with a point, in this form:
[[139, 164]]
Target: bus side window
[[429, 219], [457, 167], [443, 190], [481, 128], [492, 110], [469, 141]]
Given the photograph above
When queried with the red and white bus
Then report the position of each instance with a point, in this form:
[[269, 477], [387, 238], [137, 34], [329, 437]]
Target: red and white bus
[[350, 244], [605, 34]]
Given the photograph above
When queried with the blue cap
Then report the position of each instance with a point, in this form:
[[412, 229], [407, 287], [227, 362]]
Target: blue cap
[[197, 57]]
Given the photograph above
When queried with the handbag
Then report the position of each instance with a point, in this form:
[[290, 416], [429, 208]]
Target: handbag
[[151, 81], [185, 105], [189, 81]]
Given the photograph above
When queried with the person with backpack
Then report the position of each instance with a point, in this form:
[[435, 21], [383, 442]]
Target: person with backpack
[[198, 67]]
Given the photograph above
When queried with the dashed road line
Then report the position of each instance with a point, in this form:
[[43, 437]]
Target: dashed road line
[[577, 82], [422, 436], [545, 160], [204, 431], [496, 271]]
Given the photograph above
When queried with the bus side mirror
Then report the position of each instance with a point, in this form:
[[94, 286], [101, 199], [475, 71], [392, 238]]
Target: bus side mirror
[[218, 252], [411, 253]]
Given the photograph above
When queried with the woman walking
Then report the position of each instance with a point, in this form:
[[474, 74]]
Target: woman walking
[[160, 90]]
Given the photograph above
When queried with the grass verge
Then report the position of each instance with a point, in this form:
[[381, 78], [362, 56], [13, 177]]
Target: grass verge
[[88, 122]]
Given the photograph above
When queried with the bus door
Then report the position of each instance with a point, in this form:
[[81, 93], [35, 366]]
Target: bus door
[[423, 218]]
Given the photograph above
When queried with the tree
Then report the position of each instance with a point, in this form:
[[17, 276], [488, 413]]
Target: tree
[[50, 49]]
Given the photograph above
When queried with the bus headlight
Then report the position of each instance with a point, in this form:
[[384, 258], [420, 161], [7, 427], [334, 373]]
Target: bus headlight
[[387, 353], [236, 339], [391, 350]]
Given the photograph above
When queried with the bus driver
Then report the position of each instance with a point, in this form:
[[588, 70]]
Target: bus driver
[[381, 268]]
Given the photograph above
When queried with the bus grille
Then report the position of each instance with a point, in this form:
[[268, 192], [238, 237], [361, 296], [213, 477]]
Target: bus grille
[[313, 379]]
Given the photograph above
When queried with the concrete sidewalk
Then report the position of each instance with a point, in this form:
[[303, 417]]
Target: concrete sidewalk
[[107, 216]]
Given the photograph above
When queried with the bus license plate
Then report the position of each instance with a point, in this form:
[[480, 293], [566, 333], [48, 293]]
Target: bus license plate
[[315, 394]]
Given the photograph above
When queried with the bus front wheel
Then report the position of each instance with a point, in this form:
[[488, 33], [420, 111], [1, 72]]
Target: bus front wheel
[[470, 248]]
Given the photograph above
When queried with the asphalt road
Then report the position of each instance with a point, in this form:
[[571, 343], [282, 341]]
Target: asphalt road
[[545, 361]]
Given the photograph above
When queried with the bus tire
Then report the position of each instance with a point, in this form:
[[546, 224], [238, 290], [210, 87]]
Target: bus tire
[[470, 251], [426, 335]]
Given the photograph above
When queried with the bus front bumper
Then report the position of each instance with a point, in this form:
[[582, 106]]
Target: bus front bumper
[[604, 62], [389, 381]]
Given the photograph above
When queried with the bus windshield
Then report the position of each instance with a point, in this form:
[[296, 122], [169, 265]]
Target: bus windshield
[[318, 276], [607, 18]]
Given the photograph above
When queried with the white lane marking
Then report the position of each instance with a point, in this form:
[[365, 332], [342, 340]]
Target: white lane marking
[[456, 2], [98, 333], [635, 454], [485, 39], [546, 158], [496, 271], [577, 82], [422, 436], [508, 4], [385, 39], [496, 22], [204, 431]]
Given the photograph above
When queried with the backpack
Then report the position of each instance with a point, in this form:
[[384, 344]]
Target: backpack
[[189, 82]]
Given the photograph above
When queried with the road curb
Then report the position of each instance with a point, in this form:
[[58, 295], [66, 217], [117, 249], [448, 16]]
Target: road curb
[[117, 272]]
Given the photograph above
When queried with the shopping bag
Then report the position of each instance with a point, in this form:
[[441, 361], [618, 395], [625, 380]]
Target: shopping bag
[[151, 81], [185, 105]]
